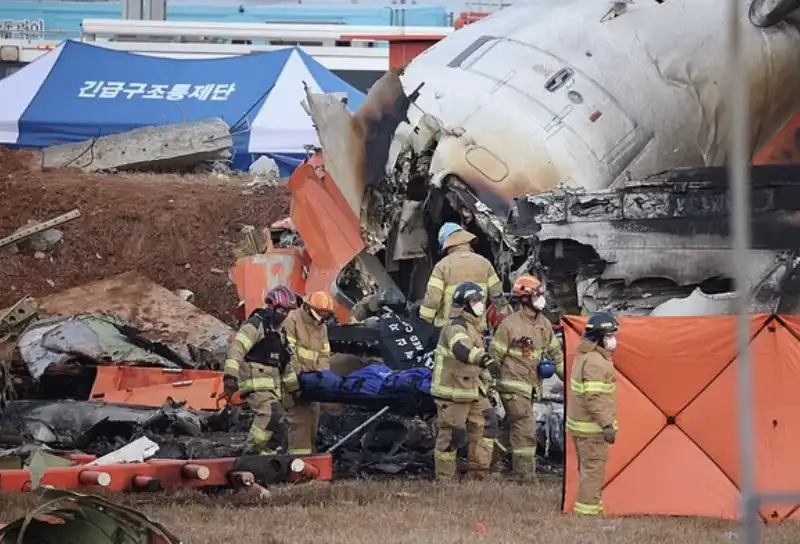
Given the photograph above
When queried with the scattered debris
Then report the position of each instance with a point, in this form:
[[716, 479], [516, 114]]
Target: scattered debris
[[161, 315], [94, 427], [40, 236], [137, 451], [161, 148], [84, 339]]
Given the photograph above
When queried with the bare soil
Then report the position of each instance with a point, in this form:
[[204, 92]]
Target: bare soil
[[408, 512], [177, 230]]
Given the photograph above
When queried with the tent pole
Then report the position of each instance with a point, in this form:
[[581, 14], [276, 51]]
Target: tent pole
[[739, 181]]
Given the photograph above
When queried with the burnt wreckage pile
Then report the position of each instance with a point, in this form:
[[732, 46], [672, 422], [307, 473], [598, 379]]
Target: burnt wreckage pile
[[98, 367]]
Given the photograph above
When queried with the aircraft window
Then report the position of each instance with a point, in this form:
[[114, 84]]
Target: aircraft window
[[559, 79], [470, 49]]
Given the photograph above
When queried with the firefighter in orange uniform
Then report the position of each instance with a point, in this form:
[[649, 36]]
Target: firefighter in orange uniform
[[257, 363], [521, 342], [592, 409], [461, 264], [311, 352], [460, 386]]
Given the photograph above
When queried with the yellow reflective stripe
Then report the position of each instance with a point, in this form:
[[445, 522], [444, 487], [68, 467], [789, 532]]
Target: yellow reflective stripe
[[586, 427], [475, 354], [445, 391], [436, 283], [582, 388], [554, 343], [326, 349], [493, 280], [457, 337], [256, 384], [515, 386], [231, 366], [588, 509], [427, 313], [307, 354], [292, 340], [499, 347], [301, 451], [259, 435], [529, 451], [445, 455], [242, 338]]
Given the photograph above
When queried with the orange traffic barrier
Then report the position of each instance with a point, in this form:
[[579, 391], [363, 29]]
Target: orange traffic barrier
[[153, 475], [677, 451]]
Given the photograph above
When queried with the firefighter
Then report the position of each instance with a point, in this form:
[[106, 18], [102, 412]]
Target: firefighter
[[258, 361], [460, 265], [592, 409], [520, 343], [311, 352], [460, 383]]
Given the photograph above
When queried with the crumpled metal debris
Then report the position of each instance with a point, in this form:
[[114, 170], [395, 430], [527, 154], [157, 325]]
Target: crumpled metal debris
[[392, 445], [84, 518], [56, 341], [90, 426]]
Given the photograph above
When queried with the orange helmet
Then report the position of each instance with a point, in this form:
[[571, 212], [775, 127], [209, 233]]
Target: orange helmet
[[321, 302], [527, 286]]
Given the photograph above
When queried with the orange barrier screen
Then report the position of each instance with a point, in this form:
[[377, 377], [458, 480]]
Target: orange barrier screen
[[677, 450]]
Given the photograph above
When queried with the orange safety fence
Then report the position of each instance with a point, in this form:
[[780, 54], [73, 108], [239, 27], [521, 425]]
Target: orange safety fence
[[677, 450]]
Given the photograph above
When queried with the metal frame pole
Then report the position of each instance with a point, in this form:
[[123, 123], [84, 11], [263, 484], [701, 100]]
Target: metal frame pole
[[739, 181]]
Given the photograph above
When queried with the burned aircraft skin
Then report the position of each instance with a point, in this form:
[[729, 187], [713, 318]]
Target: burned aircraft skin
[[662, 246], [530, 99]]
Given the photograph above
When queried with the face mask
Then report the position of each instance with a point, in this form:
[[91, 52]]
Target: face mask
[[539, 303], [478, 308], [610, 343]]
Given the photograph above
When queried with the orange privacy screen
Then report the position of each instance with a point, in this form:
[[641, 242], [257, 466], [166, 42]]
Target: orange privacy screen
[[677, 450]]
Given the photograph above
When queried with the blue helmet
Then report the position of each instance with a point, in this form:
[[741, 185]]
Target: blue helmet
[[546, 369], [446, 231]]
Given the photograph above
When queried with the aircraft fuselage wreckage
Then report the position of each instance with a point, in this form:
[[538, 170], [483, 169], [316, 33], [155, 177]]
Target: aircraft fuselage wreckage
[[584, 141]]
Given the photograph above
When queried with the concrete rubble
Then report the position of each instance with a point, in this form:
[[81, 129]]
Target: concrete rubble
[[174, 147]]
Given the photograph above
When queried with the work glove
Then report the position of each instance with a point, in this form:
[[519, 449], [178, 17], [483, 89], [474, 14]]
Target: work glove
[[609, 434], [490, 365], [230, 385]]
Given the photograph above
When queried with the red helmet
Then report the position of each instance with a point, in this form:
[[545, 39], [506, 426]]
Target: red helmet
[[281, 296]]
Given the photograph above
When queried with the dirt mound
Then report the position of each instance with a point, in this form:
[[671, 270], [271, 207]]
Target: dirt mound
[[177, 230]]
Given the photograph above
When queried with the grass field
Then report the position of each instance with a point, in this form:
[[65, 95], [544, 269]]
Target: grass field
[[407, 512]]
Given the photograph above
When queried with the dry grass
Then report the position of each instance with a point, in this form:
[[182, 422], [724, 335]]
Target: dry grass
[[408, 512]]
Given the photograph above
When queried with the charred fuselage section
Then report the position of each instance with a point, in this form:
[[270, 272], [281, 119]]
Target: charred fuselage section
[[662, 246]]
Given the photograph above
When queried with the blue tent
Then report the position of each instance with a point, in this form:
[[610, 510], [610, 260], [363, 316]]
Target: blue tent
[[79, 91]]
